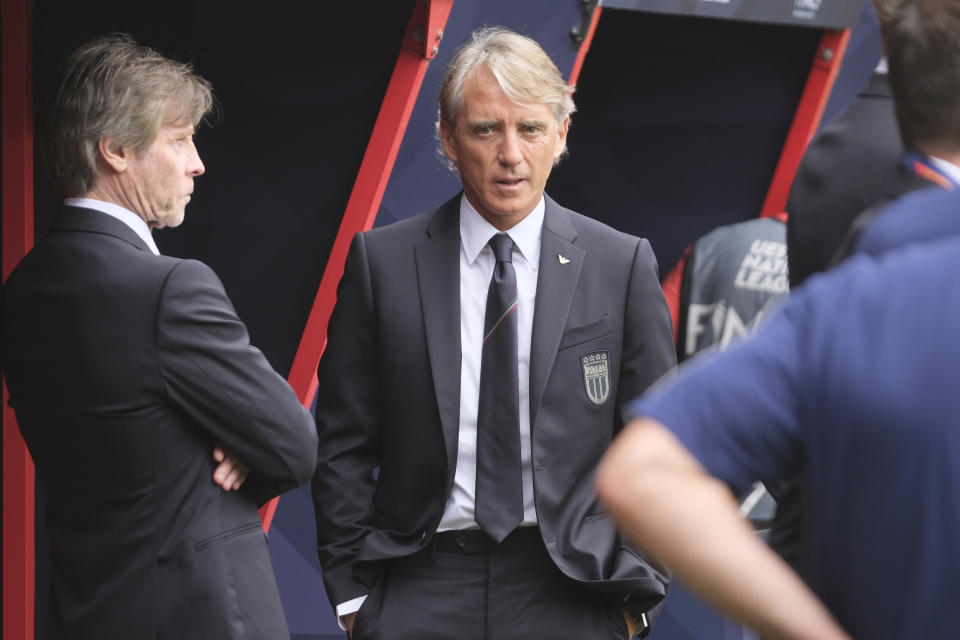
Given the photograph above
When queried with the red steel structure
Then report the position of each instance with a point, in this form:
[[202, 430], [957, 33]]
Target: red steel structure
[[806, 119], [16, 76], [585, 46], [420, 45]]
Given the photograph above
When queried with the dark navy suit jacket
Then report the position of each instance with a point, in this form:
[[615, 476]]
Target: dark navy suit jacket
[[124, 369], [389, 389]]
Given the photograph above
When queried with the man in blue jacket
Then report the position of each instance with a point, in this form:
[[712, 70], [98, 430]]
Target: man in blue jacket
[[852, 388]]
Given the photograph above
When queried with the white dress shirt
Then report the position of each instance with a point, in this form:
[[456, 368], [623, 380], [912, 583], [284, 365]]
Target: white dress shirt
[[476, 270], [127, 217]]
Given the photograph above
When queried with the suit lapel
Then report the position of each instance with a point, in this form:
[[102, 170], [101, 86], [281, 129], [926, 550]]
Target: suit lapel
[[438, 275], [560, 264]]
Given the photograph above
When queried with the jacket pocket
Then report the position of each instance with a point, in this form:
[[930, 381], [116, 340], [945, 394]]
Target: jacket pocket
[[616, 622], [597, 515], [226, 535], [585, 332], [369, 608]]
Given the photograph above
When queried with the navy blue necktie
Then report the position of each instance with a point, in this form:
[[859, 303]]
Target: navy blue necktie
[[499, 497]]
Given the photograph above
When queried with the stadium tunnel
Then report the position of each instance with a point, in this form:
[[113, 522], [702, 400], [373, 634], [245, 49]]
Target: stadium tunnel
[[691, 115]]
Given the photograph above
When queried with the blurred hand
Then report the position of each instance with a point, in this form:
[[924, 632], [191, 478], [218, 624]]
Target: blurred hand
[[230, 472], [634, 626], [348, 621]]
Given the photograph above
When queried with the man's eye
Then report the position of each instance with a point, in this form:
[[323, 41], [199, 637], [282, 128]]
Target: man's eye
[[484, 130], [531, 129]]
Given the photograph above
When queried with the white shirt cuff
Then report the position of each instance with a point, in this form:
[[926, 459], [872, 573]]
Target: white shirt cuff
[[348, 607]]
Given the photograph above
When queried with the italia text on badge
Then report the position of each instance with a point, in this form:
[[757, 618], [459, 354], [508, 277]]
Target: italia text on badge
[[596, 375]]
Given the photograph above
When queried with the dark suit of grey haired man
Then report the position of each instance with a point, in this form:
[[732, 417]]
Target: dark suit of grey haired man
[[477, 358]]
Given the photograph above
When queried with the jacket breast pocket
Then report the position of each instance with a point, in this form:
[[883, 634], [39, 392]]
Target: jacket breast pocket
[[586, 332]]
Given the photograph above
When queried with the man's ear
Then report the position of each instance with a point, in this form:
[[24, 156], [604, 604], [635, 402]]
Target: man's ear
[[446, 139], [562, 138], [113, 154]]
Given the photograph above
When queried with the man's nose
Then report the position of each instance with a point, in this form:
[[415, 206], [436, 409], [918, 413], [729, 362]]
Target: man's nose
[[195, 164], [510, 149]]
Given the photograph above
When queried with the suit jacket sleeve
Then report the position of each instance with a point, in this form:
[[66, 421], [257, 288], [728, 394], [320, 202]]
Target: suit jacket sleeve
[[648, 353], [348, 421], [226, 386], [648, 347]]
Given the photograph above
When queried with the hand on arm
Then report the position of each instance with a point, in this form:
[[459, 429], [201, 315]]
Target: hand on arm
[[666, 503], [228, 389], [230, 472]]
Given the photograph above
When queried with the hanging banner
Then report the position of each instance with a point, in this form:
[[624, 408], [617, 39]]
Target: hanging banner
[[835, 14]]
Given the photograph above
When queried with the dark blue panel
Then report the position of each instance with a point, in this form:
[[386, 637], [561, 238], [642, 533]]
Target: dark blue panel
[[808, 13], [293, 550], [686, 618]]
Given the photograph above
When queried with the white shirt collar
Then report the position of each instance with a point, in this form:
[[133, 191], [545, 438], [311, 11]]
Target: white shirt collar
[[952, 170], [127, 217], [475, 232]]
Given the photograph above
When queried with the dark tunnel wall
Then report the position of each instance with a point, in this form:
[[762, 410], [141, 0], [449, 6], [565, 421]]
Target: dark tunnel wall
[[299, 86], [680, 123]]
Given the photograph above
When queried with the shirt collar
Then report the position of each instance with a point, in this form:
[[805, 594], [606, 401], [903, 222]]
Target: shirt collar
[[129, 218], [475, 232], [951, 170]]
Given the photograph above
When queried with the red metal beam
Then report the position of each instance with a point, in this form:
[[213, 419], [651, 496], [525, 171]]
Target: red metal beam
[[16, 87], [823, 73], [585, 46], [420, 45]]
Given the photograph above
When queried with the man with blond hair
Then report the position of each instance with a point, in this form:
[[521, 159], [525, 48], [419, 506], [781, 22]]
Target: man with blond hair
[[476, 361], [134, 382]]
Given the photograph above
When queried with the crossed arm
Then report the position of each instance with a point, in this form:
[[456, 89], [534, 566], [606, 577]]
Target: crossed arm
[[230, 472], [212, 373]]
